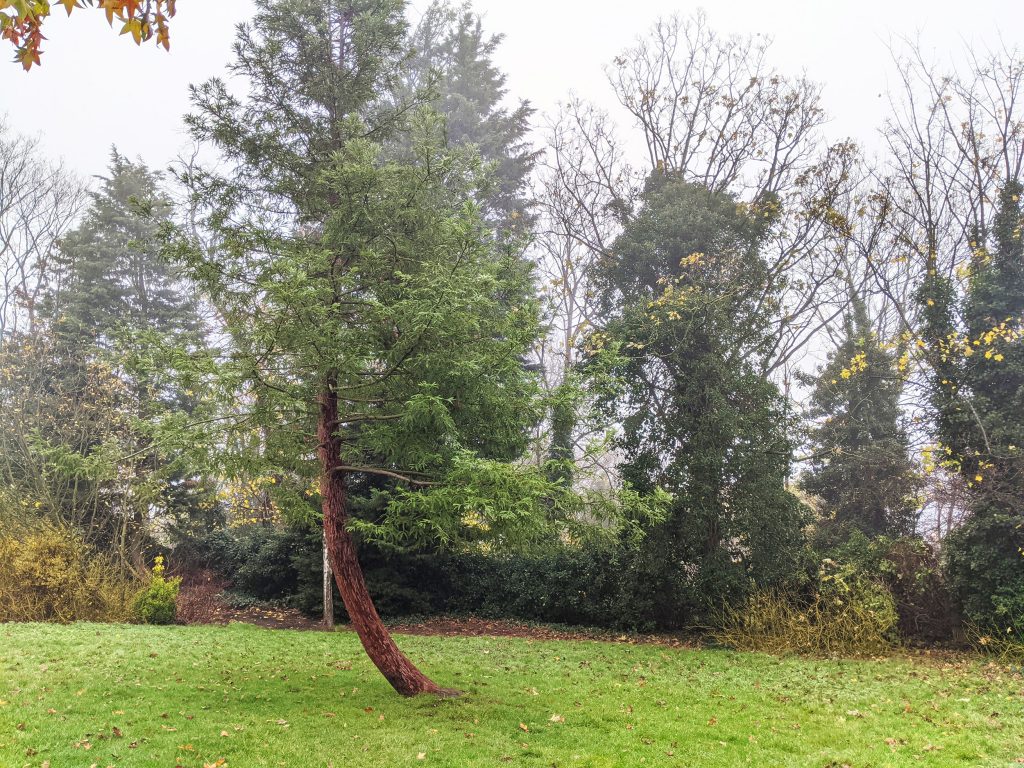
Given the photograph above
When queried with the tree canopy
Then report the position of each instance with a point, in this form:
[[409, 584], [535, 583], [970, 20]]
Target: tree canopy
[[860, 456], [378, 328], [686, 287]]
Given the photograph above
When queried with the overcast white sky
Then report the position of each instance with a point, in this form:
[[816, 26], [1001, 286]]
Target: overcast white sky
[[94, 90]]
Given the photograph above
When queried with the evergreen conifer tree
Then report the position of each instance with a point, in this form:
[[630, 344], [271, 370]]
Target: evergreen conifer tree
[[112, 278], [861, 467], [688, 290], [377, 326], [453, 58]]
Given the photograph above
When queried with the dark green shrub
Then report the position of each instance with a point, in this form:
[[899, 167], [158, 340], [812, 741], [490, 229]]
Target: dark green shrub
[[985, 568], [257, 560], [215, 551], [617, 585], [263, 558]]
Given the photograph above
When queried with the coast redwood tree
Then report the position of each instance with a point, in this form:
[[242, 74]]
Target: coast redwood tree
[[374, 329]]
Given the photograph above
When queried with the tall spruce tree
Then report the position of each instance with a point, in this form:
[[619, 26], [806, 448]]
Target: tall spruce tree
[[377, 328], [688, 290], [114, 296], [112, 279], [861, 466], [453, 58]]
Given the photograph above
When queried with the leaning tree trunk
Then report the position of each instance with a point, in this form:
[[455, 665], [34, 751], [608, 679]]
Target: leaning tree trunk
[[380, 647]]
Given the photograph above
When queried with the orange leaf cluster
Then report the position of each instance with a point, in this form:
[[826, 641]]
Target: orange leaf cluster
[[21, 22]]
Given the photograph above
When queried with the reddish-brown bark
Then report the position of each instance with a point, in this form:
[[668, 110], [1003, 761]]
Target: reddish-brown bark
[[377, 641]]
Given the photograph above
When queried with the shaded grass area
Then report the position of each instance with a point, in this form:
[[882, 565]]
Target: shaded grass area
[[243, 696]]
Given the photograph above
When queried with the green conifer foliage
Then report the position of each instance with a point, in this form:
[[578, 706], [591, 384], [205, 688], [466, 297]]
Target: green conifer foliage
[[689, 289], [861, 468]]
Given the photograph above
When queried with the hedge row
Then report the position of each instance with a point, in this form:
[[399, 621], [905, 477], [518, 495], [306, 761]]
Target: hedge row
[[601, 586]]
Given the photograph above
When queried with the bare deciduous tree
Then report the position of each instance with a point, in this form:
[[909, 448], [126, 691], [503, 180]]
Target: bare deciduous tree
[[711, 110], [955, 138], [39, 201]]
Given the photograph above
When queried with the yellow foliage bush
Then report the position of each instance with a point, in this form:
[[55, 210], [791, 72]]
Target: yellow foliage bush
[[48, 573], [1007, 645], [843, 618]]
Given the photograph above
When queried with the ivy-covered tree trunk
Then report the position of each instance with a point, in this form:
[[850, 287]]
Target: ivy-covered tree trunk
[[377, 641]]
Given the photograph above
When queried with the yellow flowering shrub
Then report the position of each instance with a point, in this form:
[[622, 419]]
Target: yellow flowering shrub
[[48, 573]]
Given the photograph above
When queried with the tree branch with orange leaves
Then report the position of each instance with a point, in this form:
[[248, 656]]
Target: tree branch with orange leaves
[[21, 22]]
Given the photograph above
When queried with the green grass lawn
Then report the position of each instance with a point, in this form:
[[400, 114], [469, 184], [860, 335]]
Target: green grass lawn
[[100, 695]]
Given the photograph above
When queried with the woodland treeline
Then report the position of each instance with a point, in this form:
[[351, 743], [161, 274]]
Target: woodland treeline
[[682, 363]]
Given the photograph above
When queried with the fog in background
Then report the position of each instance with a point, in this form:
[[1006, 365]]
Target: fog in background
[[94, 90]]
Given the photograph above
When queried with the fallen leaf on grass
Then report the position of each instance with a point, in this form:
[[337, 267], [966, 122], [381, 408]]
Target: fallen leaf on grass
[[524, 727], [557, 719]]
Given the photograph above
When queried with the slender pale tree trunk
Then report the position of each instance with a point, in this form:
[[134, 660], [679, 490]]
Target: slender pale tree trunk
[[328, 588], [377, 641]]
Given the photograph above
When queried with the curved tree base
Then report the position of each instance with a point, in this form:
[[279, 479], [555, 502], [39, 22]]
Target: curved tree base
[[396, 667]]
